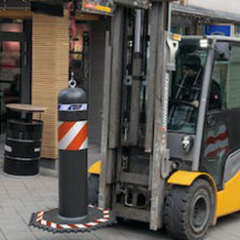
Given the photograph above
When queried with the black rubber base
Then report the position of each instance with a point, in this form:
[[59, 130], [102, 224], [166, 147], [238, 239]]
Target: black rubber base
[[51, 221]]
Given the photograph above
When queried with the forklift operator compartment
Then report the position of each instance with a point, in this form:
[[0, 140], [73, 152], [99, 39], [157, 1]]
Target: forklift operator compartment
[[185, 87], [185, 95]]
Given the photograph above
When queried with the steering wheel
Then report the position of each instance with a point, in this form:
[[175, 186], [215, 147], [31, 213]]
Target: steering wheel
[[182, 102]]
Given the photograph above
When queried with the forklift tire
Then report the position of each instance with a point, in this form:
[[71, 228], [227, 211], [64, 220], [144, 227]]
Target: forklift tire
[[93, 189], [189, 211]]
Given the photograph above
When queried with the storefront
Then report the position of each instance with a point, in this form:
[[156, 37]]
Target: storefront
[[195, 20], [36, 59], [15, 70]]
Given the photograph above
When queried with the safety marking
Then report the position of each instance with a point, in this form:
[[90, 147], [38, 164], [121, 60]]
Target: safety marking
[[54, 225], [40, 216], [66, 226], [64, 128], [44, 222], [73, 136], [37, 150], [73, 107], [91, 224], [106, 217], [80, 226], [102, 220], [8, 148], [217, 141]]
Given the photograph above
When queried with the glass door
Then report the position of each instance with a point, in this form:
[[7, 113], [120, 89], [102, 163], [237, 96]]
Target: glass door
[[14, 71], [10, 76]]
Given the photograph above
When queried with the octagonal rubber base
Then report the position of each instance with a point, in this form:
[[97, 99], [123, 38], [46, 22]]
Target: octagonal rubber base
[[51, 221]]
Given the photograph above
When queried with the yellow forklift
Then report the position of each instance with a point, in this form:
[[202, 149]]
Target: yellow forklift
[[171, 111], [170, 133]]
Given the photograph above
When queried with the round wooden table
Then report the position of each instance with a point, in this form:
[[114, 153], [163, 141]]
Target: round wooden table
[[26, 108]]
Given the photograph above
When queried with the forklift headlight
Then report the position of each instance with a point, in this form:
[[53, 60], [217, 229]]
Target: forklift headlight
[[187, 143], [204, 43]]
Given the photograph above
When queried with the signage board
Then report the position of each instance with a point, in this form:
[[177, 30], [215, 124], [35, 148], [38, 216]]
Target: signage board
[[97, 6], [220, 29]]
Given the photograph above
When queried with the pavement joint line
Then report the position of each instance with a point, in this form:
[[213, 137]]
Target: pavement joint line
[[22, 217], [3, 234]]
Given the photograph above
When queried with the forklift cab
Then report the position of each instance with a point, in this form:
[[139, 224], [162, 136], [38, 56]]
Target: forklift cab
[[203, 133], [206, 106]]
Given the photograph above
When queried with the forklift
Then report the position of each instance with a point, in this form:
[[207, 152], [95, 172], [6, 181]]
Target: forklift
[[170, 130], [170, 134]]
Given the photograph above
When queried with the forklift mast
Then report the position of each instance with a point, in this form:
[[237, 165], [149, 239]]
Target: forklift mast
[[135, 158]]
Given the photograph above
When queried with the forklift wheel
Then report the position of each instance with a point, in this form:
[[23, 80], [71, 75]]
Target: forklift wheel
[[93, 189], [189, 210]]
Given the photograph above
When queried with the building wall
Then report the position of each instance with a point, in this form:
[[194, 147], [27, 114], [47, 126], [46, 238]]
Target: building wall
[[231, 6], [50, 66]]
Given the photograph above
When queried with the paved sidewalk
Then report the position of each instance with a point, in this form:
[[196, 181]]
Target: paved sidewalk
[[20, 197]]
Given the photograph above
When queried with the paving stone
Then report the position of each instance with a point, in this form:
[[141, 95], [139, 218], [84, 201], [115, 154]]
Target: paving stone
[[43, 235], [20, 197], [86, 236], [20, 236]]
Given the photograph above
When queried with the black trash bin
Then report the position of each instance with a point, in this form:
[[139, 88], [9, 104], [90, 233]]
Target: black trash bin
[[23, 147]]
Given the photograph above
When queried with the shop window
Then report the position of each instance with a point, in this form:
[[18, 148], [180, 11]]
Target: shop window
[[233, 83], [11, 26], [226, 75]]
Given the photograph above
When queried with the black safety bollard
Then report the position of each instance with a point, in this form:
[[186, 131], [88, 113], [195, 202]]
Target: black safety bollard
[[72, 144], [73, 214]]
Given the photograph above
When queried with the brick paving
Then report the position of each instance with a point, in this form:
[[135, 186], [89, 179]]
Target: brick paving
[[19, 197]]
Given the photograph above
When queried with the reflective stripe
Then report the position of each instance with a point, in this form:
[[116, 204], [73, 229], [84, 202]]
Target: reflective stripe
[[102, 220], [73, 107], [80, 226], [91, 224], [37, 150], [44, 222], [53, 225], [73, 136], [63, 129], [65, 226], [8, 148], [88, 225]]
